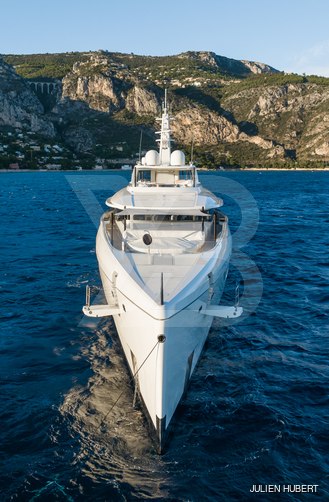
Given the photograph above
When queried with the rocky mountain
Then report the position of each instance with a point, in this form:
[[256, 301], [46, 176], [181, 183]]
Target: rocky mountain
[[235, 112], [230, 66], [19, 106]]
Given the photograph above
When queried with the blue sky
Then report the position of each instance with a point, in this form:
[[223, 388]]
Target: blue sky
[[291, 35]]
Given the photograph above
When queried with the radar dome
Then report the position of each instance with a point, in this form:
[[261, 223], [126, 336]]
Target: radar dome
[[177, 158], [152, 158]]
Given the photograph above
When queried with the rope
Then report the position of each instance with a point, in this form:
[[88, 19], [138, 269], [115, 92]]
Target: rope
[[131, 380]]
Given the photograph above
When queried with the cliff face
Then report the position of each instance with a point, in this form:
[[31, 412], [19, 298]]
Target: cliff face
[[203, 127], [93, 83], [295, 115], [240, 109], [19, 106], [142, 101], [229, 66], [97, 85]]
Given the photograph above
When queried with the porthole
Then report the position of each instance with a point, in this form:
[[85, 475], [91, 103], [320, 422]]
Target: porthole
[[147, 239]]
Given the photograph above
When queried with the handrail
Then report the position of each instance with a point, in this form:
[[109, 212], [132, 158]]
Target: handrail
[[112, 226]]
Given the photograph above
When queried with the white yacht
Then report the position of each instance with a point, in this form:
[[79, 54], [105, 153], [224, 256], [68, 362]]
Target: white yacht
[[163, 250]]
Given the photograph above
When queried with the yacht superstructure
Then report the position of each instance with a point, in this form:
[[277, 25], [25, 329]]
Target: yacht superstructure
[[163, 250]]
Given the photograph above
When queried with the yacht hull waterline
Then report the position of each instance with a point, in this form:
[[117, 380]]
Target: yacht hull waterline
[[163, 251]]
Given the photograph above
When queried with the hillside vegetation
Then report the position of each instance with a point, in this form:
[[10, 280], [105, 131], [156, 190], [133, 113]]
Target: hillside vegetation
[[236, 113]]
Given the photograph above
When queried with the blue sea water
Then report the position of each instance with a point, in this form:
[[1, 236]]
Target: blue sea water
[[257, 408]]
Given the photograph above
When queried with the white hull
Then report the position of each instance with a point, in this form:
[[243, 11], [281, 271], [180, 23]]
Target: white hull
[[164, 372]]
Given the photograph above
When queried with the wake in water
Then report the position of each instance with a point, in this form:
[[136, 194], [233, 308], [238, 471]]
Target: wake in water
[[112, 434]]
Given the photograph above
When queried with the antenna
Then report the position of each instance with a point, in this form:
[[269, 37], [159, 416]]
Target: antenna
[[165, 101], [140, 146], [192, 145]]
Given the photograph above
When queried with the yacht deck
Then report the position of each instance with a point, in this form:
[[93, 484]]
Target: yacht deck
[[159, 234]]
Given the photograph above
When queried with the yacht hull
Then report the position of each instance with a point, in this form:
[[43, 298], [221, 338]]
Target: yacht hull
[[162, 352]]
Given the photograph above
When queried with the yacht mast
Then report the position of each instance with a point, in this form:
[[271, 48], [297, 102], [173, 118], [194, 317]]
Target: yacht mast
[[165, 141]]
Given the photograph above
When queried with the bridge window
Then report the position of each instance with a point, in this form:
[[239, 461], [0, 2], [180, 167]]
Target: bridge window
[[185, 175], [144, 175]]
